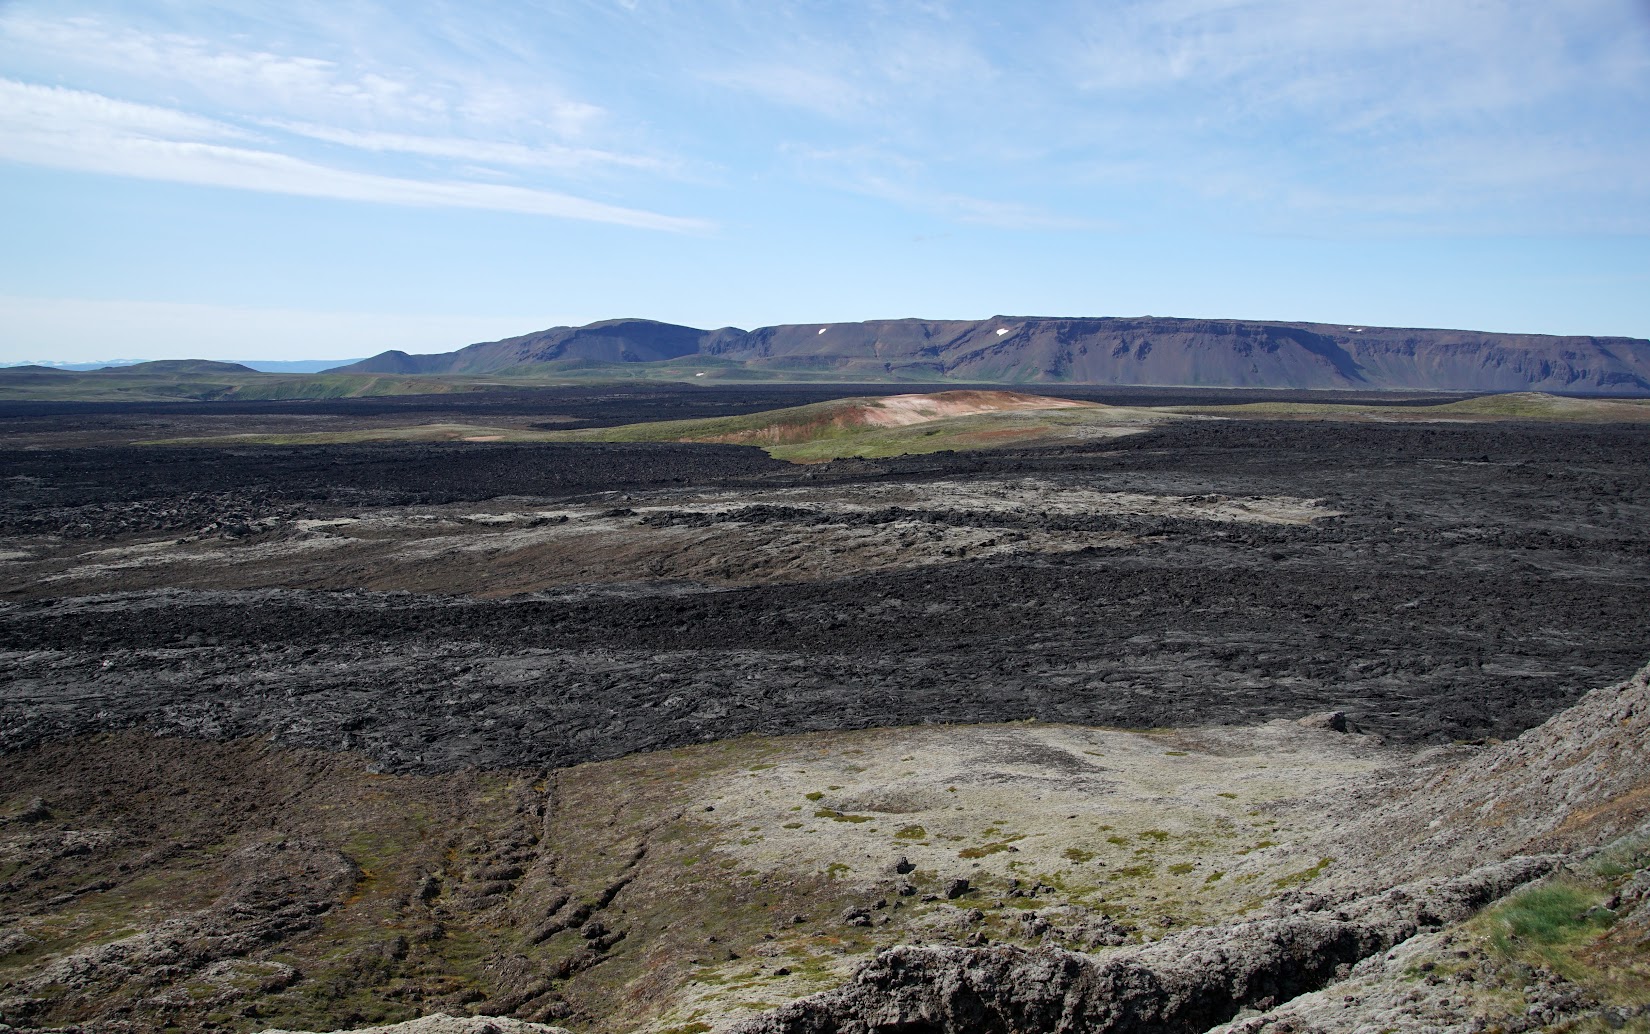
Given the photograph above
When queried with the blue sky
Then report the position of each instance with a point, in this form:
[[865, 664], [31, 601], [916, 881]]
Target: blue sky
[[301, 180]]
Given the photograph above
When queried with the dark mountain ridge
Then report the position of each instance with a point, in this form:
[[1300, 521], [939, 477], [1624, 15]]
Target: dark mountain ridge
[[1144, 350], [175, 366]]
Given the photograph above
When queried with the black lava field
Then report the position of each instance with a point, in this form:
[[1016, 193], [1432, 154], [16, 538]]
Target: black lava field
[[1475, 579]]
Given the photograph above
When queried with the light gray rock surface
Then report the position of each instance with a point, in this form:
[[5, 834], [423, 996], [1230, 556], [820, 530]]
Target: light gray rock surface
[[441, 1023]]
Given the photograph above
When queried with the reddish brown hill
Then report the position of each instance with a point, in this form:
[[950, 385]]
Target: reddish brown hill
[[810, 423]]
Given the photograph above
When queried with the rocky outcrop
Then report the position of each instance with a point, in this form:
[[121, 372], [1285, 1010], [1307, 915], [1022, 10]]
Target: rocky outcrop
[[1450, 983], [278, 888], [1186, 982], [1133, 351], [1577, 780]]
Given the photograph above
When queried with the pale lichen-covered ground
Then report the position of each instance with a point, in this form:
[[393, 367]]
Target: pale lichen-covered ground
[[1076, 836], [717, 537]]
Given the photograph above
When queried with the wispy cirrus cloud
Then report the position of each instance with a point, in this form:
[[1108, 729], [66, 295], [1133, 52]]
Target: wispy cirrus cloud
[[822, 91], [257, 81], [1346, 69], [470, 150], [311, 118], [909, 182], [87, 132], [900, 59], [1275, 113]]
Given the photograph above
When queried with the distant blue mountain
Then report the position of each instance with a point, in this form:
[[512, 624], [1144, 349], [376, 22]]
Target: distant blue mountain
[[261, 365], [52, 365]]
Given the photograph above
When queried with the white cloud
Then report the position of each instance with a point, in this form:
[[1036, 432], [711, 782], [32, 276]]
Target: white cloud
[[1303, 116], [548, 156], [820, 90], [87, 132], [1409, 61], [1267, 113], [893, 59], [905, 182], [260, 81], [48, 112]]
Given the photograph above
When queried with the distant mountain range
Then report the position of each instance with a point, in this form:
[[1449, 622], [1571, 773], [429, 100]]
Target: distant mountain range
[[259, 365], [143, 368], [1038, 350], [207, 380]]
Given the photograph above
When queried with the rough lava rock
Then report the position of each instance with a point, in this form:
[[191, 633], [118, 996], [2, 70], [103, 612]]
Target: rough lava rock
[[1186, 982]]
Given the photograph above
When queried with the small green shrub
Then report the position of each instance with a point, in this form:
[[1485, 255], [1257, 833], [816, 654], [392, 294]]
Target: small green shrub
[[911, 833], [1545, 917], [1622, 857]]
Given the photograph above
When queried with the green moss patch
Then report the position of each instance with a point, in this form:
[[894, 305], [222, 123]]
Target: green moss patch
[[1295, 879], [984, 850], [837, 816]]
